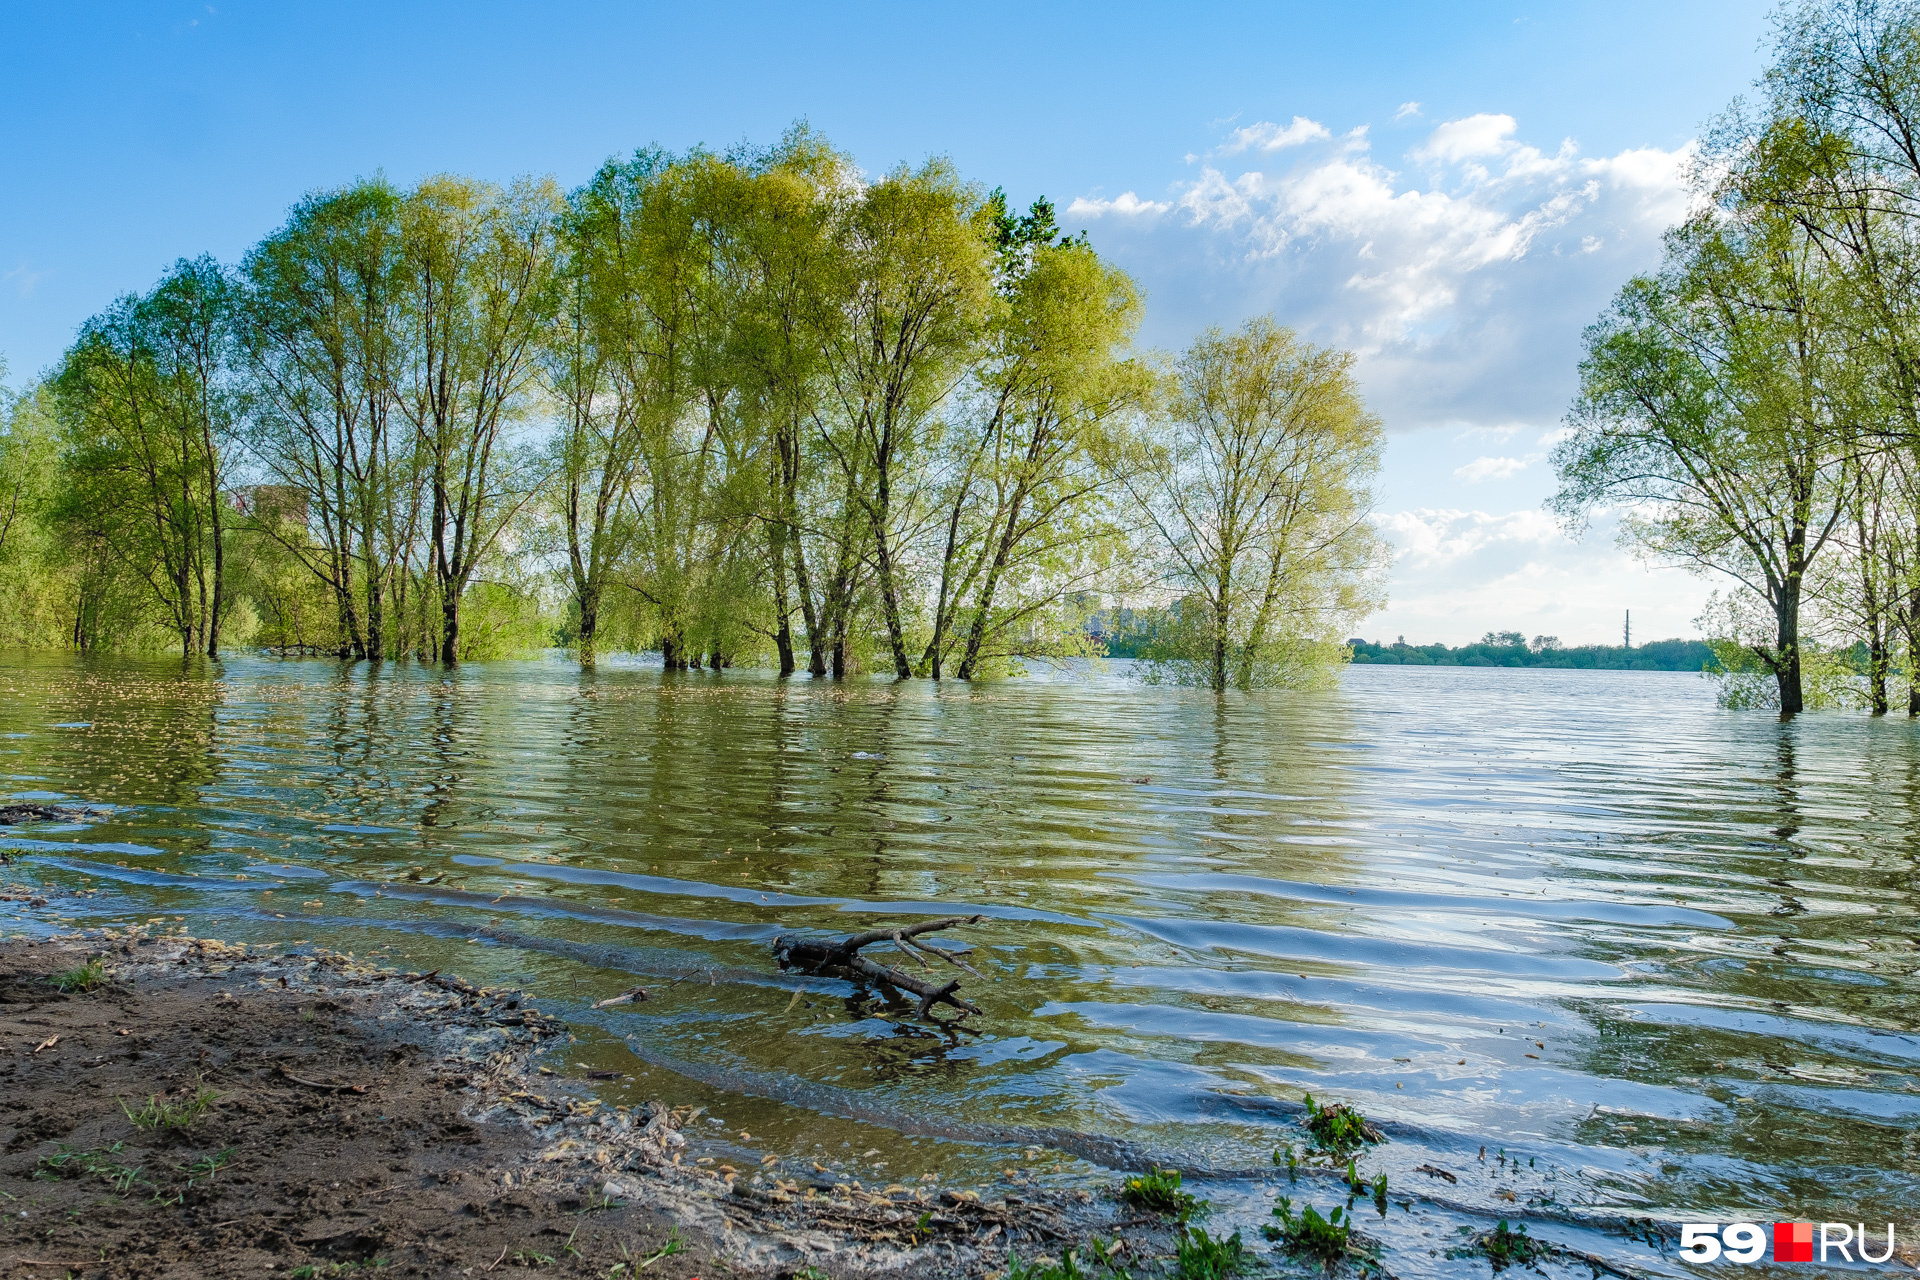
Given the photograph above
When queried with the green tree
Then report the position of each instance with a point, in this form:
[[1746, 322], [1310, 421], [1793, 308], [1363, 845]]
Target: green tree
[[479, 290], [1707, 409], [913, 285], [1028, 503], [148, 409], [1257, 486], [324, 327]]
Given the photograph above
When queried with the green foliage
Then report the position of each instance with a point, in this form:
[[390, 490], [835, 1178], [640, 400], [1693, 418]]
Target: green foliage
[[1068, 1267], [1257, 483], [742, 409], [67, 1162], [1337, 1130], [1199, 1256], [88, 977], [1503, 1247], [159, 1115], [1308, 1236], [1158, 1191]]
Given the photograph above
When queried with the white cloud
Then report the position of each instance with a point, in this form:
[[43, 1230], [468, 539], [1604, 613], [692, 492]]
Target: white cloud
[[1468, 138], [1407, 111], [1267, 136], [1463, 290], [1125, 205], [1461, 274], [1490, 469], [1430, 537]]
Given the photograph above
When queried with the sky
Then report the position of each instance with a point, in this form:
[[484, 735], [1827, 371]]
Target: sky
[[1452, 191]]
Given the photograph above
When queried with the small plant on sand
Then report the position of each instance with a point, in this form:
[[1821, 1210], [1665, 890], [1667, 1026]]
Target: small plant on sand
[[673, 1244], [159, 1115], [88, 977], [69, 1163], [1199, 1256], [1158, 1191], [1338, 1131], [204, 1169], [1308, 1236], [1504, 1247]]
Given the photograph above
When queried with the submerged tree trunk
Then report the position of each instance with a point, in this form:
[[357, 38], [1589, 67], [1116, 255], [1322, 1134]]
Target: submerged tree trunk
[[1787, 669]]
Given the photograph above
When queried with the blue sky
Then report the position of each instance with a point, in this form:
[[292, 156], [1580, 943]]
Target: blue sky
[[1452, 190]]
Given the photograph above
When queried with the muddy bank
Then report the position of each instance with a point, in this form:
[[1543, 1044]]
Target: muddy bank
[[186, 1108]]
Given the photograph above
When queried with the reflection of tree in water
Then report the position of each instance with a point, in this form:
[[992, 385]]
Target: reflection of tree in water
[[913, 1052]]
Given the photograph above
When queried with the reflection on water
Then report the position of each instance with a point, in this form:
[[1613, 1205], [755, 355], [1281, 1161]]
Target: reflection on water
[[1664, 951]]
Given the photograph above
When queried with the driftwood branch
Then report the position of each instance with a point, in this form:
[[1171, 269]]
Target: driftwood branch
[[840, 957]]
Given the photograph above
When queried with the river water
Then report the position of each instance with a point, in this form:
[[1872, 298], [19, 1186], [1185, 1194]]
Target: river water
[[1584, 941]]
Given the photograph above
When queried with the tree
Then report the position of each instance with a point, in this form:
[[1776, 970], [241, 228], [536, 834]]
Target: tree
[[148, 410], [1051, 393], [324, 329], [896, 331], [1257, 488], [1707, 409], [479, 288]]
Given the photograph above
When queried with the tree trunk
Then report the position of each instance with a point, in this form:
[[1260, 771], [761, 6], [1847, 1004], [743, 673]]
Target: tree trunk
[[983, 609], [1222, 603], [1787, 669], [889, 600], [589, 622], [782, 607], [1913, 650], [450, 624]]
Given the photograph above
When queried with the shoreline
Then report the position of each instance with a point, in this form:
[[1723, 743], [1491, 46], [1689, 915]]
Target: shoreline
[[359, 1117]]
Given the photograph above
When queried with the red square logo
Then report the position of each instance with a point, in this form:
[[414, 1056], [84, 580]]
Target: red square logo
[[1793, 1242]]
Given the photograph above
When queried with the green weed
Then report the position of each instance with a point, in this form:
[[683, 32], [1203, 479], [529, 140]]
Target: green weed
[[158, 1115], [1198, 1256], [207, 1166], [88, 977], [1068, 1268], [1158, 1191], [674, 1244], [69, 1163], [1309, 1236], [1504, 1247], [1338, 1130], [314, 1271]]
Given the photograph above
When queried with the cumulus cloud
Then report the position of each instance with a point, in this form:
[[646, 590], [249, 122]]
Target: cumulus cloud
[[1267, 136], [1125, 205], [1428, 537], [1461, 272], [1490, 469]]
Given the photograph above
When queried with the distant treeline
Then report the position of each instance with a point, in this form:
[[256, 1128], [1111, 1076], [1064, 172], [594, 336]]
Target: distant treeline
[[1510, 650]]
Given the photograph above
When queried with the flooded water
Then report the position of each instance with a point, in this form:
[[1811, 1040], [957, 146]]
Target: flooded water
[[1590, 945]]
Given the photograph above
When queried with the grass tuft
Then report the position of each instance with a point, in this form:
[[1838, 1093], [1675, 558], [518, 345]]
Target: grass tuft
[[69, 1163], [90, 976], [158, 1115]]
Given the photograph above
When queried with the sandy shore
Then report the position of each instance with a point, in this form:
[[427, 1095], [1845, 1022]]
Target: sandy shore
[[207, 1110]]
